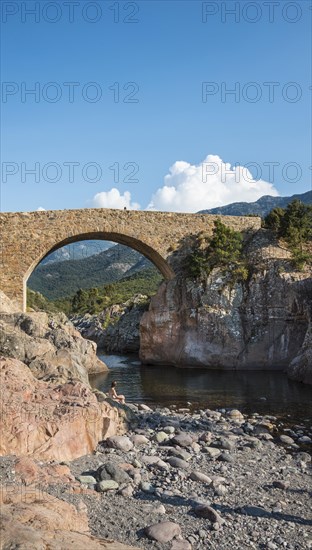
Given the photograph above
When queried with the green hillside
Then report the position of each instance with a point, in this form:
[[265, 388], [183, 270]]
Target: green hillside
[[62, 279], [94, 300]]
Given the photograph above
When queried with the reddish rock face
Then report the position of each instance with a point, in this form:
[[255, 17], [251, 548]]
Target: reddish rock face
[[29, 472], [37, 520], [48, 421]]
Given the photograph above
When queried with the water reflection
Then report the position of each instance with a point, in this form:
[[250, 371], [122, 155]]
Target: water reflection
[[252, 391]]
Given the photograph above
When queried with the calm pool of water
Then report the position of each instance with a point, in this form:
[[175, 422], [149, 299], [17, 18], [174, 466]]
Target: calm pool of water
[[263, 392]]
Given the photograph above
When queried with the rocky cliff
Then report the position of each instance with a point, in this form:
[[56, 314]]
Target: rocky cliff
[[49, 345], [300, 367], [262, 323], [51, 421], [117, 328], [48, 409], [31, 518]]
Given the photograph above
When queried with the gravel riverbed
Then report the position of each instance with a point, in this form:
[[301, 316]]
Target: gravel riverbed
[[222, 480], [202, 480]]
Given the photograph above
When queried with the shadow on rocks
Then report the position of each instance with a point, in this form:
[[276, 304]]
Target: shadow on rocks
[[258, 512]]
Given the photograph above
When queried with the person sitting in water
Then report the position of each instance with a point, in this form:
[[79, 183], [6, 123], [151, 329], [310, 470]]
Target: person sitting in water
[[113, 394]]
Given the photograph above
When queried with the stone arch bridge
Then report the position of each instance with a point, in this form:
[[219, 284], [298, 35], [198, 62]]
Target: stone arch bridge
[[27, 237]]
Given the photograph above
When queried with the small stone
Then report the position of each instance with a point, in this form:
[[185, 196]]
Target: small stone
[[212, 452], [286, 439], [169, 429], [234, 414], [137, 478], [107, 485], [147, 487], [226, 444], [126, 467], [110, 470], [182, 440], [143, 407], [304, 439], [176, 462], [215, 415], [154, 461], [198, 476], [226, 457], [160, 437], [206, 511], [133, 407], [127, 491], [160, 509], [180, 453], [163, 532], [90, 480], [139, 439], [121, 442]]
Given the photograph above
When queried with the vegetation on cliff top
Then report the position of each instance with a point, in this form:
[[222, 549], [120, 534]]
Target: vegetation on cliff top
[[294, 225], [223, 249]]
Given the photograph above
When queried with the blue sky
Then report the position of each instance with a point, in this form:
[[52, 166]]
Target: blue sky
[[169, 147]]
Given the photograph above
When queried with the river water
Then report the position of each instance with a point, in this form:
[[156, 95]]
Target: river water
[[250, 391]]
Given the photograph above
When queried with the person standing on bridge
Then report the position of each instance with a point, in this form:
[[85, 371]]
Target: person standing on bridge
[[113, 394]]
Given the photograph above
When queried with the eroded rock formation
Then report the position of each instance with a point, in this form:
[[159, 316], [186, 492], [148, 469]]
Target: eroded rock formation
[[116, 328], [49, 345], [262, 323], [31, 518], [51, 421]]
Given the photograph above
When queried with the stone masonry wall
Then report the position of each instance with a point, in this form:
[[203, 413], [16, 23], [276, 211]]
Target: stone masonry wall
[[27, 237]]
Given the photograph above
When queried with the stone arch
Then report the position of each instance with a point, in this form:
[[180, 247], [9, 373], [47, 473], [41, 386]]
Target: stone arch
[[120, 238]]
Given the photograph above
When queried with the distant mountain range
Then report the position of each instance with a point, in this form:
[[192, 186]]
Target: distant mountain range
[[61, 279], [77, 251], [261, 207]]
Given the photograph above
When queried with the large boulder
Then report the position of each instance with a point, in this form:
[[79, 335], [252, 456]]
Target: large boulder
[[49, 421], [33, 519], [51, 347]]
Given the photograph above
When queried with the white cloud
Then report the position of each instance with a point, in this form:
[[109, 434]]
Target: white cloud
[[113, 199], [41, 209], [190, 188]]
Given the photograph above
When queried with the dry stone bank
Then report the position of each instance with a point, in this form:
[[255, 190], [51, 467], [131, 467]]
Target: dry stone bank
[[191, 481]]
